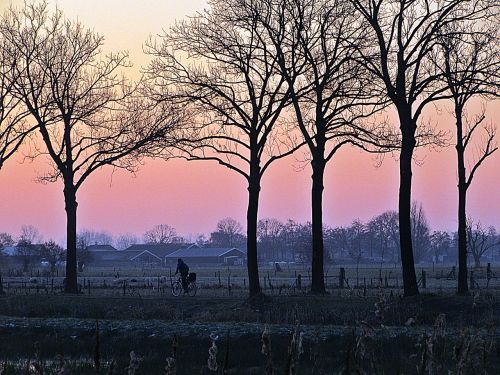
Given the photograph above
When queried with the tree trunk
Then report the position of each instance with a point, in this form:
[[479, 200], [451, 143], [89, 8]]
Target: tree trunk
[[252, 212], [71, 285], [405, 174], [463, 287], [318, 278]]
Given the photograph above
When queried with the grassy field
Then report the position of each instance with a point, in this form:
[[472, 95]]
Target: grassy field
[[229, 281], [364, 328], [377, 334]]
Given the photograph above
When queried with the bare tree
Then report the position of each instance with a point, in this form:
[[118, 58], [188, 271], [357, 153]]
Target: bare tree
[[124, 241], [440, 244], [13, 125], [404, 34], [30, 234], [26, 248], [331, 93], [352, 239], [80, 102], [230, 226], [26, 251], [229, 83], [52, 252], [161, 234], [269, 227], [6, 240], [480, 240], [270, 231], [385, 231], [83, 255], [298, 238], [420, 232], [199, 239], [87, 237], [228, 233], [471, 59]]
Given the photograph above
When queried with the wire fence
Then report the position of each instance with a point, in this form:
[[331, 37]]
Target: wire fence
[[233, 281]]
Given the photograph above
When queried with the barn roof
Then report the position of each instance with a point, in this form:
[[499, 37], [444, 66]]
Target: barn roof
[[101, 248], [158, 250], [146, 252], [202, 252], [113, 255]]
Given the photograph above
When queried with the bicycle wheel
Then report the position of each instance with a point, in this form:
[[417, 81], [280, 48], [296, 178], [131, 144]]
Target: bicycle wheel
[[192, 289], [176, 289]]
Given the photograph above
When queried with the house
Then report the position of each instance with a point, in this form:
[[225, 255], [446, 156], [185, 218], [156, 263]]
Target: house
[[22, 250], [109, 258], [23, 255], [210, 256], [100, 256], [9, 250], [134, 255], [154, 254]]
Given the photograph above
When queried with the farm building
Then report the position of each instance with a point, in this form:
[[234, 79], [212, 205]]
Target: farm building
[[209, 256], [9, 250], [19, 255], [154, 253], [138, 254], [20, 250], [110, 258], [93, 248]]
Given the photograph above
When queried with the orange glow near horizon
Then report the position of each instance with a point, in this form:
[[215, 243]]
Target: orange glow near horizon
[[193, 196]]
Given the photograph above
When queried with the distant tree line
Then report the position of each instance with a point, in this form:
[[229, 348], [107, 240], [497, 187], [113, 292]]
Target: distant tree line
[[30, 248], [373, 242], [246, 83]]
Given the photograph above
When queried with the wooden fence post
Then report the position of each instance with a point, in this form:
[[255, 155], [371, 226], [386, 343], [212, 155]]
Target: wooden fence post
[[489, 275], [341, 277]]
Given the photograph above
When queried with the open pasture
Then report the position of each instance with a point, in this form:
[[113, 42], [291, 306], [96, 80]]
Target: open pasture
[[144, 281]]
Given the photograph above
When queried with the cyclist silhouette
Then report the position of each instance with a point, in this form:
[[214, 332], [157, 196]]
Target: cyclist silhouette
[[183, 269]]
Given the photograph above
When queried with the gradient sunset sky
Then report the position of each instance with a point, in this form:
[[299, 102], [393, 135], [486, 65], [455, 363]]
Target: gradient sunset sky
[[193, 196]]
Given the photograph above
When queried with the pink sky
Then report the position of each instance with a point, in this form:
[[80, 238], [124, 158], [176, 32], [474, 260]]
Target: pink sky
[[193, 196]]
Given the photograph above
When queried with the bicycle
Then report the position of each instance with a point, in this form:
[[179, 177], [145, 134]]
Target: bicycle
[[192, 288]]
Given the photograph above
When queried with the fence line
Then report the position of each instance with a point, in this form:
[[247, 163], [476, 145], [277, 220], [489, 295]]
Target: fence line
[[229, 281]]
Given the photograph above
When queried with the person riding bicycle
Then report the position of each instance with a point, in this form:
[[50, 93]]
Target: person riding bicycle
[[183, 269]]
